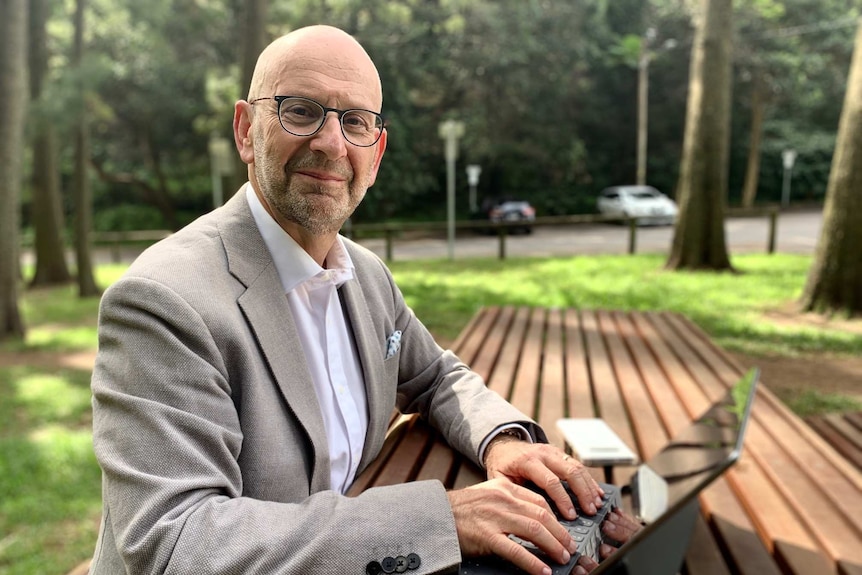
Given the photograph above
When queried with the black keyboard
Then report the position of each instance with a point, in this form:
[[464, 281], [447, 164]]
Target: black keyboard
[[585, 530]]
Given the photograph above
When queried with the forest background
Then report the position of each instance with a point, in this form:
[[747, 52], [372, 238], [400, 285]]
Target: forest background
[[547, 91]]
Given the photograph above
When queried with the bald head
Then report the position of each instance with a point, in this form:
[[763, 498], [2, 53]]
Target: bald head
[[312, 55]]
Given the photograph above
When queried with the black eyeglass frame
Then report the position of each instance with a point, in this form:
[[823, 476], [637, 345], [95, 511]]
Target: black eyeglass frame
[[339, 114]]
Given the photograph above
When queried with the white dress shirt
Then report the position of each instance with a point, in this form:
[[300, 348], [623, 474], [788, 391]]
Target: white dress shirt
[[327, 341]]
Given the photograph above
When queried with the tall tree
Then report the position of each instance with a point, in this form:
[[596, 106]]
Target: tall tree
[[47, 211], [13, 108], [698, 241], [835, 280], [82, 187], [752, 168], [253, 40]]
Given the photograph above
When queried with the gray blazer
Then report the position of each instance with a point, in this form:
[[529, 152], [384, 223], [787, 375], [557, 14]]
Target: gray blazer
[[208, 431]]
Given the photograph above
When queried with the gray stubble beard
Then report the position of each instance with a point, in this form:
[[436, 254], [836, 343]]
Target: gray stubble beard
[[296, 205]]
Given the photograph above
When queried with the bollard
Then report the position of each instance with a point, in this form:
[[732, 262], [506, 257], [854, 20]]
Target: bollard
[[773, 225]]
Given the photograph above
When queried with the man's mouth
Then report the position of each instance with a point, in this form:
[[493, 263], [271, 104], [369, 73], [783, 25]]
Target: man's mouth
[[321, 176]]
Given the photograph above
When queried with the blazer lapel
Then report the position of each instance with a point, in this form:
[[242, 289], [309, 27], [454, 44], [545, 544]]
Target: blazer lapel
[[264, 305], [369, 345]]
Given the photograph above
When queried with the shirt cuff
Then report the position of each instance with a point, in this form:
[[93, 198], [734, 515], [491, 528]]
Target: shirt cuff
[[509, 428]]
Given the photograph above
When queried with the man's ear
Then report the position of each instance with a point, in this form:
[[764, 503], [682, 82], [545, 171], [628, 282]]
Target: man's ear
[[242, 133], [378, 156]]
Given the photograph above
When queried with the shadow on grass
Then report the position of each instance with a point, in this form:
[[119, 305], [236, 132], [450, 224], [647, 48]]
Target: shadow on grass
[[48, 473]]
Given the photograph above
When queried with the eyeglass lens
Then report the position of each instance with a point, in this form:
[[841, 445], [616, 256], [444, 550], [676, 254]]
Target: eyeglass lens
[[303, 117]]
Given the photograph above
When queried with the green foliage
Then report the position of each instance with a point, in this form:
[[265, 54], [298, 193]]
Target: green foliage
[[547, 91], [127, 217], [800, 52]]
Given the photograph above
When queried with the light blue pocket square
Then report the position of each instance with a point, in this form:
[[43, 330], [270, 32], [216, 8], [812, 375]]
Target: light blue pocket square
[[393, 344]]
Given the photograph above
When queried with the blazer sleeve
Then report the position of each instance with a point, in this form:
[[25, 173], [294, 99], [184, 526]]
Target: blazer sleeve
[[432, 381], [168, 437]]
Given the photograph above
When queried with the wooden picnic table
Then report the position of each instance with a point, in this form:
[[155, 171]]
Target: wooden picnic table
[[792, 504]]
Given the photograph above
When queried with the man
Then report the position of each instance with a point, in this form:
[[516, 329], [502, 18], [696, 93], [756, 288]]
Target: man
[[248, 366]]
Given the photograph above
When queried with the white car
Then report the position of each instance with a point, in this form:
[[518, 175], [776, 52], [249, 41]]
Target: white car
[[645, 203]]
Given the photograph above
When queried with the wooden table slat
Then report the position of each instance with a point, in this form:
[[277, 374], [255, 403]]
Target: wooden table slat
[[472, 337], [743, 549], [485, 359], [552, 387], [647, 426], [837, 440], [704, 555], [525, 390], [850, 432], [580, 395], [501, 378]]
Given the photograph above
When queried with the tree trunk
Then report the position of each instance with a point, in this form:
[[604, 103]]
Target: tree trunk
[[835, 279], [81, 179], [752, 171], [47, 210], [253, 41], [698, 241], [13, 108]]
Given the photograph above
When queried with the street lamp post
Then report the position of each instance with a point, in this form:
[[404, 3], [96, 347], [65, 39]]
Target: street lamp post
[[473, 173], [643, 96], [450, 131], [788, 158], [644, 58], [221, 164]]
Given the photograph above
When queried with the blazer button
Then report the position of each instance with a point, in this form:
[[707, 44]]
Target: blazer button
[[413, 561], [388, 565], [400, 564], [373, 568]]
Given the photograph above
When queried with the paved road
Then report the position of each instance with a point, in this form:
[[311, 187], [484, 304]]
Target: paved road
[[797, 232]]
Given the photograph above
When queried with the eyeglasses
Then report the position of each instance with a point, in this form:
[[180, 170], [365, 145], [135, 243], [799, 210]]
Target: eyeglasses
[[305, 117]]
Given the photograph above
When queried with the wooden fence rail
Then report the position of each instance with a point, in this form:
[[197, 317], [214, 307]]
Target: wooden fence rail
[[393, 232]]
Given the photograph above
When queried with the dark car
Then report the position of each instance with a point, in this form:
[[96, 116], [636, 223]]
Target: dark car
[[513, 211]]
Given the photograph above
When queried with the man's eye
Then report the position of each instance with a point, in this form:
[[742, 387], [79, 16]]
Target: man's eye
[[357, 121], [300, 112]]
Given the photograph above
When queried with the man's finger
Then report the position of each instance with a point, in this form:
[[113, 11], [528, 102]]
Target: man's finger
[[580, 482]]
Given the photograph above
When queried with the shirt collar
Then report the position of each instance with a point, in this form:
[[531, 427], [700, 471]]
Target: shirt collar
[[293, 264]]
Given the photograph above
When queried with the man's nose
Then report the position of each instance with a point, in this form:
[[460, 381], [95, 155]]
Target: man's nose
[[329, 140]]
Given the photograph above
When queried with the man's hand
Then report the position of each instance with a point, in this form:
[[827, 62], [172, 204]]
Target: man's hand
[[619, 527], [486, 513], [544, 465]]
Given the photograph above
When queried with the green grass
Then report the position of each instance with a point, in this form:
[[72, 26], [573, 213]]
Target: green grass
[[728, 306], [49, 479]]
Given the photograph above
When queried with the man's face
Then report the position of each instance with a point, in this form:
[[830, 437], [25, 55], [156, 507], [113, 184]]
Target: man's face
[[315, 182]]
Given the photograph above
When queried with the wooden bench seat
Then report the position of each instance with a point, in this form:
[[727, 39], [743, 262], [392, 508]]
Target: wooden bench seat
[[843, 431], [792, 504]]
